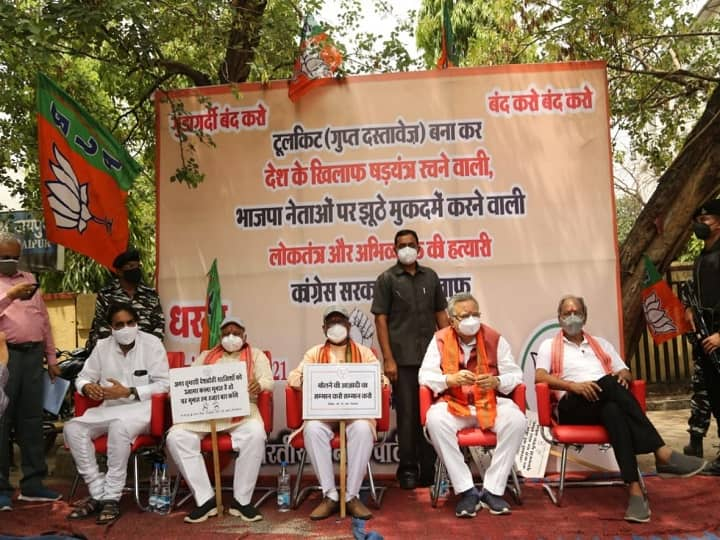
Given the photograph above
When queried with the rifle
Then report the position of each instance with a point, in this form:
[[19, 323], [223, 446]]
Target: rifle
[[691, 301]]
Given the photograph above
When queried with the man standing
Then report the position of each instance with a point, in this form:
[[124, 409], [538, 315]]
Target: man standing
[[25, 323], [467, 365], [338, 348], [247, 434], [123, 371], [409, 305], [591, 382], [705, 399], [127, 288]]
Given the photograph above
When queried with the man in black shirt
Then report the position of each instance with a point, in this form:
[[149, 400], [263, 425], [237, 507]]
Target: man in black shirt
[[706, 375], [409, 306]]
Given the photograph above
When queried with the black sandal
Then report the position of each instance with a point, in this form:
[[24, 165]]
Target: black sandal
[[85, 508], [109, 513]]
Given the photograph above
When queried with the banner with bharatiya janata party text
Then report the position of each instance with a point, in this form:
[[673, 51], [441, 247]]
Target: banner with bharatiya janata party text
[[504, 172]]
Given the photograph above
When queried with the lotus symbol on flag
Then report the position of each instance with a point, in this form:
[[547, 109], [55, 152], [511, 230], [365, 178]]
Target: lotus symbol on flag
[[68, 198], [656, 317]]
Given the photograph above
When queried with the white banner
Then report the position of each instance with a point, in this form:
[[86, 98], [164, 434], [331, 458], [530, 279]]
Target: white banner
[[341, 391], [209, 392]]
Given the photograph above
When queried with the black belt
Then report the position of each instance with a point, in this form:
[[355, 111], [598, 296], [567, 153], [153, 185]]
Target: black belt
[[27, 346]]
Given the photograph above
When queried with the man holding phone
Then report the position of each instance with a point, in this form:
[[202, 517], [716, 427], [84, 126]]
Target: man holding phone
[[24, 321]]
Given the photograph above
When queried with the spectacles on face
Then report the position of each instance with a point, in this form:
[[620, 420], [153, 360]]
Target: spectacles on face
[[335, 320], [467, 315], [118, 325]]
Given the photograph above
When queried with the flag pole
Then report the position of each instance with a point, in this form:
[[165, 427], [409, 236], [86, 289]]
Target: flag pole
[[216, 467], [342, 469]]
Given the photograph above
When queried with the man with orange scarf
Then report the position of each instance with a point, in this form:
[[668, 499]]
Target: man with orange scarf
[[247, 433], [469, 366], [591, 383], [338, 348]]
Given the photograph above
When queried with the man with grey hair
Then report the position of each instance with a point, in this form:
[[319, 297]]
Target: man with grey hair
[[591, 384], [24, 321], [470, 368]]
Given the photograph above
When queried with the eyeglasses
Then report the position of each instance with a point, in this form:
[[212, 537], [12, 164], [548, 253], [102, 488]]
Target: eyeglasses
[[466, 315], [122, 324]]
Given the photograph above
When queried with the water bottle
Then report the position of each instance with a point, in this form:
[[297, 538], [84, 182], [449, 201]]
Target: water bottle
[[163, 500], [444, 488], [154, 488], [283, 491]]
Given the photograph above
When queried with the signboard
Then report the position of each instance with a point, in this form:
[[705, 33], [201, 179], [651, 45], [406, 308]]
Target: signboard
[[38, 253], [209, 392], [342, 391]]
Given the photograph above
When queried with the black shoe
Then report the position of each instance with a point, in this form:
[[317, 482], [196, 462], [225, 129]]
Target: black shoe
[[712, 468], [201, 513], [408, 481], [469, 504], [494, 503], [246, 512]]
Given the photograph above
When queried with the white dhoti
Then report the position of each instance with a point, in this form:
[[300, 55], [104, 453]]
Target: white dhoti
[[510, 426], [248, 440], [360, 440], [122, 424]]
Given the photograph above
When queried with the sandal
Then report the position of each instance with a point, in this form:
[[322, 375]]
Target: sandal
[[85, 508], [109, 513]]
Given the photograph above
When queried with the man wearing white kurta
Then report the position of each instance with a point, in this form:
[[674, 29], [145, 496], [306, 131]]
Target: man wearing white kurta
[[247, 434], [123, 371], [461, 373], [360, 433]]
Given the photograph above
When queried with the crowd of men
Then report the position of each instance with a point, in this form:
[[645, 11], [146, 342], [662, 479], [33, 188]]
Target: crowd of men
[[424, 340]]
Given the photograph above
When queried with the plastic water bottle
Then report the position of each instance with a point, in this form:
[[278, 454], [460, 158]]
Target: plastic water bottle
[[283, 491], [154, 488], [163, 500], [444, 488]]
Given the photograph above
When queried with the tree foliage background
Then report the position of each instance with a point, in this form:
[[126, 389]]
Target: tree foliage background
[[112, 55]]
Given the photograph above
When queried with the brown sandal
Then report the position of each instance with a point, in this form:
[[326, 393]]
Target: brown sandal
[[85, 508], [110, 512]]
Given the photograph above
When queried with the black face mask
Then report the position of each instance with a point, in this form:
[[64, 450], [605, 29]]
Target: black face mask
[[701, 230], [134, 275]]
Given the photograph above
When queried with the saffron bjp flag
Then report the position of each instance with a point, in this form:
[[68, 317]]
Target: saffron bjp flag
[[213, 311], [317, 61], [447, 56], [664, 313], [85, 174]]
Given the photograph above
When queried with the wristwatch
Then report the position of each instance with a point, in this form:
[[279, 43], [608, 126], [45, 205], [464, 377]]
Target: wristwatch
[[134, 393]]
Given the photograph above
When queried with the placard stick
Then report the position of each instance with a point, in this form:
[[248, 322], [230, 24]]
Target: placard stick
[[216, 467], [342, 469]]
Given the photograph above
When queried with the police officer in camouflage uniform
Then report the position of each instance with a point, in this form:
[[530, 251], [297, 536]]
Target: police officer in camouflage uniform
[[705, 400], [127, 288]]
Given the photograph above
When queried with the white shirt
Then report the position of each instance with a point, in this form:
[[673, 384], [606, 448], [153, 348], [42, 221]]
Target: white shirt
[[580, 364], [432, 376], [107, 361]]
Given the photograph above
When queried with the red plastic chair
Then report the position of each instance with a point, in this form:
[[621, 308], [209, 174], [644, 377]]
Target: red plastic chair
[[266, 408], [575, 436], [294, 420], [468, 437], [144, 444]]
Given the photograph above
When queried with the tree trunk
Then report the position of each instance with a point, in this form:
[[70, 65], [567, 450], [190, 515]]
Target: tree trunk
[[663, 227], [243, 38]]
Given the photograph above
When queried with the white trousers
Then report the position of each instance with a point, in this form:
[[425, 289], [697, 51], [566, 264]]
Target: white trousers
[[359, 444], [79, 437], [510, 426], [248, 440]]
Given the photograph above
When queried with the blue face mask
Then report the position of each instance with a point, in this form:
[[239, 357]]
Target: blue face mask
[[572, 324]]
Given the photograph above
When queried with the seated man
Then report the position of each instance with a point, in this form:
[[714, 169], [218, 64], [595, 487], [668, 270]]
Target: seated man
[[247, 434], [337, 348], [123, 371], [468, 364], [592, 383]]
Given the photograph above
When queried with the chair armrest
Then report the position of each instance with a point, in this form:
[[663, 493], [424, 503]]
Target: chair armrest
[[637, 387], [544, 404], [266, 408], [82, 403], [518, 396], [293, 407], [157, 414], [383, 423], [426, 400]]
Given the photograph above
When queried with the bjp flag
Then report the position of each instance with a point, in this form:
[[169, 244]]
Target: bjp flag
[[84, 177], [664, 313]]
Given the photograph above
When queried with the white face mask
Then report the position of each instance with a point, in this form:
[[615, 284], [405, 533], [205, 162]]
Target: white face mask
[[407, 255], [337, 333], [232, 343], [126, 335], [572, 324], [469, 326]]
